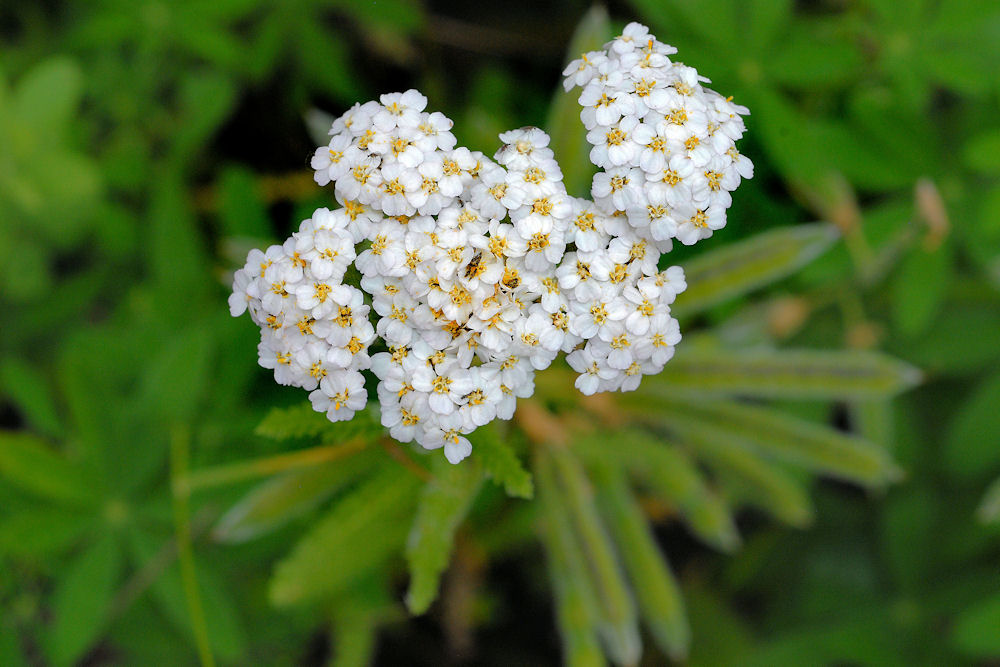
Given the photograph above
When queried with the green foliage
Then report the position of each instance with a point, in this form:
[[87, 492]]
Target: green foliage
[[327, 559], [146, 146], [443, 504], [501, 463], [743, 267]]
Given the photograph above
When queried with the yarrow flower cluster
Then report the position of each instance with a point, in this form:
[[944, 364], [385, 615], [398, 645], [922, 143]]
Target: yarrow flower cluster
[[474, 273], [665, 143]]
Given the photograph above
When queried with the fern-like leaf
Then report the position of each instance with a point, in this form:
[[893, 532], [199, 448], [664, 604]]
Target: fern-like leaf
[[443, 505]]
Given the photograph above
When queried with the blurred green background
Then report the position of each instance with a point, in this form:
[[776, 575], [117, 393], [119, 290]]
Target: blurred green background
[[147, 145]]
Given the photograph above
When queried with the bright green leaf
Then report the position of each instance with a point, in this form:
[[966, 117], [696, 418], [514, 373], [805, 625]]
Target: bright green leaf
[[919, 288], [577, 606], [975, 631], [41, 532], [443, 505], [47, 96], [81, 600], [361, 531], [500, 462]]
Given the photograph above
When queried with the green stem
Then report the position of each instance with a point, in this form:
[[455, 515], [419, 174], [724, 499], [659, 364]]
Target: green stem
[[262, 467], [179, 459]]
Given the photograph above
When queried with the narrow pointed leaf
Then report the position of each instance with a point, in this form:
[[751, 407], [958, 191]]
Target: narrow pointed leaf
[[29, 463], [656, 590], [359, 533], [81, 600], [443, 505], [618, 627], [762, 482], [797, 374], [501, 463], [568, 135], [277, 501], [745, 266], [672, 476], [772, 433], [577, 607]]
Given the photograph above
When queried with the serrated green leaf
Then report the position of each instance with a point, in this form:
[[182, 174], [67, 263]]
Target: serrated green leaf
[[29, 463], [500, 462], [971, 440], [566, 130], [618, 622], [772, 433], [975, 630], [745, 266], [577, 607], [656, 590], [81, 600], [672, 476], [443, 505], [795, 374], [284, 497], [301, 421], [359, 533]]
